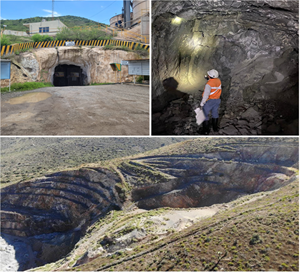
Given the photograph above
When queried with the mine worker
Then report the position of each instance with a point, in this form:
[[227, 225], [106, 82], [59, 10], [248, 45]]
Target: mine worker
[[211, 100]]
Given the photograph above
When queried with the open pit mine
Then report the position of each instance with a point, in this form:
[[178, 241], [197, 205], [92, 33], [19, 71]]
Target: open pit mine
[[111, 217]]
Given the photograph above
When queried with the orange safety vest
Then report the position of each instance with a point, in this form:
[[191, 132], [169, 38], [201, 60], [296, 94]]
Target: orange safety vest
[[216, 90]]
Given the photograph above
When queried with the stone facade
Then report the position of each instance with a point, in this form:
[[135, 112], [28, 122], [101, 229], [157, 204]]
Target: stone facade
[[39, 64]]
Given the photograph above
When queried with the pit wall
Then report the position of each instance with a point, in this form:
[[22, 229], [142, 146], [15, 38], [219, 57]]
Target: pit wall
[[39, 64]]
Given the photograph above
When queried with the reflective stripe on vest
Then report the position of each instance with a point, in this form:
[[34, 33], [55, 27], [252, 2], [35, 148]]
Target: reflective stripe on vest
[[216, 89]]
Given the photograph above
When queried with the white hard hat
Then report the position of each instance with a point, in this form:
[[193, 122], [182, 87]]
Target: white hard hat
[[213, 73]]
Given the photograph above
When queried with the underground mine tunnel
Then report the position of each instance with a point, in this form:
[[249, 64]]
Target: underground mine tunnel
[[68, 75], [254, 47]]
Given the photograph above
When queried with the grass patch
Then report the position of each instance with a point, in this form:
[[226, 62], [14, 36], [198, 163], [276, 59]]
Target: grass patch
[[27, 86], [11, 39], [17, 52], [76, 34]]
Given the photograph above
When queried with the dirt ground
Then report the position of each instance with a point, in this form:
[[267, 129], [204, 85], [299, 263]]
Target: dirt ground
[[77, 110]]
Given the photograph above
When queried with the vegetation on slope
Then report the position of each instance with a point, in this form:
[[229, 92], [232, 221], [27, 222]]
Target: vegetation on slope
[[25, 158], [69, 21], [74, 23], [219, 144], [76, 33]]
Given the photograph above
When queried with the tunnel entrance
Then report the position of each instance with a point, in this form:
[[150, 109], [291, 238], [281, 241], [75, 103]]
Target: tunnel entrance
[[68, 75]]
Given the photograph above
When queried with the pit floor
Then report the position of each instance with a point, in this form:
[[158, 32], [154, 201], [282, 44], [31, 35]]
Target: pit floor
[[77, 110]]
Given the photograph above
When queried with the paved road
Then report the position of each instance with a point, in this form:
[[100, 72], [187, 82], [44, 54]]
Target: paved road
[[78, 110]]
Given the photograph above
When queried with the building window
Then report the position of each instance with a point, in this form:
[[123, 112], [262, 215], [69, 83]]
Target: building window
[[43, 29]]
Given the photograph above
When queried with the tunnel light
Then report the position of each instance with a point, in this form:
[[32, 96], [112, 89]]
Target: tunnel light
[[193, 43], [176, 21]]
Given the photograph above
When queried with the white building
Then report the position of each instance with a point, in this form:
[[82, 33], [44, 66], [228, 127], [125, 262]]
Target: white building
[[50, 28], [14, 32]]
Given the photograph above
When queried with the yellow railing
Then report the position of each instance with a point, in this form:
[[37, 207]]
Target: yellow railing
[[12, 49]]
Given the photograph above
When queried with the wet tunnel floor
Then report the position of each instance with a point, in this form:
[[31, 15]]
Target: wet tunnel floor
[[67, 75]]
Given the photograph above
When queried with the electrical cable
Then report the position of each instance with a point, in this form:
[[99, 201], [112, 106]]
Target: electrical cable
[[102, 9]]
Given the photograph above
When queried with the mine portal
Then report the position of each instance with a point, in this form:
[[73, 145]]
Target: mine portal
[[68, 75]]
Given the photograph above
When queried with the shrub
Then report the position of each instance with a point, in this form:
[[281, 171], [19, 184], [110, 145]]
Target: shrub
[[140, 79], [255, 240], [41, 38], [4, 40]]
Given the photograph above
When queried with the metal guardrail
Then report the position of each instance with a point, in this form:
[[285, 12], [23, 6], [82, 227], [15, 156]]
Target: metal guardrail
[[12, 49]]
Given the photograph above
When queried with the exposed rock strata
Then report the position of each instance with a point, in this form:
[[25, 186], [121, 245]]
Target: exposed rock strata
[[205, 179], [253, 45], [57, 202], [52, 212]]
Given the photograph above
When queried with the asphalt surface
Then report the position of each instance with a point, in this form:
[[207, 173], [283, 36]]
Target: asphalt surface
[[77, 110]]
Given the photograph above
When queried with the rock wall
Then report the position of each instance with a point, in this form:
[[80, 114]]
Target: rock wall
[[58, 202], [39, 64], [253, 45], [204, 179]]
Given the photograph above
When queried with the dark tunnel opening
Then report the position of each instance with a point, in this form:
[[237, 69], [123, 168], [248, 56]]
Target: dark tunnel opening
[[68, 75]]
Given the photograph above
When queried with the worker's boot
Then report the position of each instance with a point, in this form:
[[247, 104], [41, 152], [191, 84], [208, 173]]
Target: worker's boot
[[205, 130], [215, 124]]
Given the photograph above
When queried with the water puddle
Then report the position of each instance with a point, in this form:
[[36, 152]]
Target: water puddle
[[29, 98]]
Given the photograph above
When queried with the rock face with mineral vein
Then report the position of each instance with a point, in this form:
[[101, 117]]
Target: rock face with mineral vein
[[253, 45]]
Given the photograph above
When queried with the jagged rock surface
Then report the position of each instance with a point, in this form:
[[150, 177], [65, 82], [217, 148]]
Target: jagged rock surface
[[253, 45]]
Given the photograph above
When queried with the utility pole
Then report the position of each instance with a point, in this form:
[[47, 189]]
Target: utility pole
[[52, 9], [4, 26]]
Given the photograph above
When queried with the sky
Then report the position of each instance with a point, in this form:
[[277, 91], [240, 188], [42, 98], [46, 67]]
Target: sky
[[99, 11]]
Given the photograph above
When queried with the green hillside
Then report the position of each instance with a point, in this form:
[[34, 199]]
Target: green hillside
[[69, 21]]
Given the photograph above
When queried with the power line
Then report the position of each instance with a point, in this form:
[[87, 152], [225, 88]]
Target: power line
[[102, 9]]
